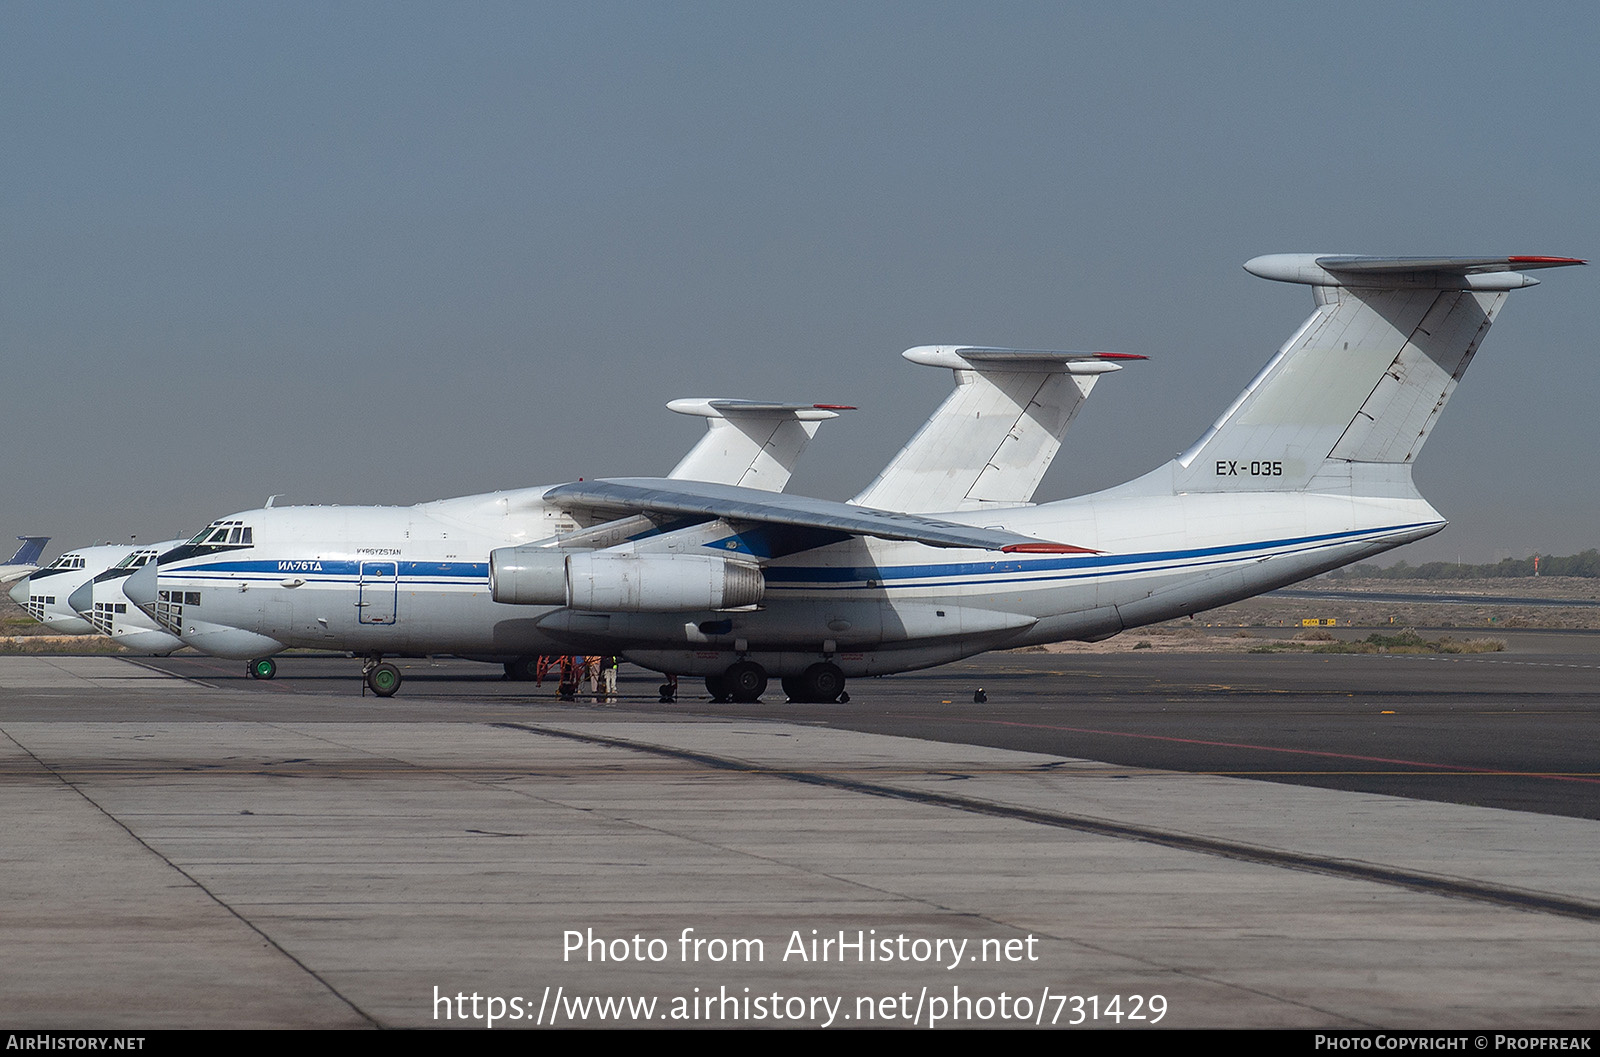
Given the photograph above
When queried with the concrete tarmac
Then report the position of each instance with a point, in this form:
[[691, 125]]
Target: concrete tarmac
[[210, 852]]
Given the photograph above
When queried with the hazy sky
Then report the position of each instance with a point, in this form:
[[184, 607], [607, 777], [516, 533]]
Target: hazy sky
[[385, 253]]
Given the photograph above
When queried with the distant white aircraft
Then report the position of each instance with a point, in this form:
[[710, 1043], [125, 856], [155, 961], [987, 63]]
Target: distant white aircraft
[[1309, 469], [387, 580], [45, 593], [100, 601], [26, 561]]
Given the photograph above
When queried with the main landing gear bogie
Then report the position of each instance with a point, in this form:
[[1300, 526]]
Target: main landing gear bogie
[[524, 669], [745, 681]]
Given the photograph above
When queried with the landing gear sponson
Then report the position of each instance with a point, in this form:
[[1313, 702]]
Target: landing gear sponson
[[746, 681]]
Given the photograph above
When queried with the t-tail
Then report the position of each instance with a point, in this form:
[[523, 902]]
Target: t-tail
[[991, 441], [1347, 403], [750, 443], [28, 553]]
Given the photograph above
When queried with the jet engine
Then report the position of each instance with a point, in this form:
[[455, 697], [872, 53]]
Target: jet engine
[[604, 582]]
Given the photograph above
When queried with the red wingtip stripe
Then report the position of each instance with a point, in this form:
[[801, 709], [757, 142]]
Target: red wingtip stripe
[[1545, 260], [1047, 548], [834, 407], [1119, 356]]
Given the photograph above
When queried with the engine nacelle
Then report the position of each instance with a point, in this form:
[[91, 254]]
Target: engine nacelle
[[528, 576], [605, 582]]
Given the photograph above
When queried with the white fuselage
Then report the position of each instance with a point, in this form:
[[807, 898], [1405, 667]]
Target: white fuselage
[[369, 580], [44, 594], [391, 580], [103, 604]]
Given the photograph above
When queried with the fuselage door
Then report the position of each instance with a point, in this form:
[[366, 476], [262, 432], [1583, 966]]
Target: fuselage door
[[379, 594]]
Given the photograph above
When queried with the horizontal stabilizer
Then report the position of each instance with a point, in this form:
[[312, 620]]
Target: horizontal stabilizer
[[750, 443], [659, 496], [993, 438], [1436, 273], [979, 357]]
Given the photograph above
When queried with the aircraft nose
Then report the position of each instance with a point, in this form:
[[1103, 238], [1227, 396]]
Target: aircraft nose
[[141, 587], [19, 591], [82, 600]]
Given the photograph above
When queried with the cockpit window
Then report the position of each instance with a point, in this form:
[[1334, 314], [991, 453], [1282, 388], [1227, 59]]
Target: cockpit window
[[215, 536]]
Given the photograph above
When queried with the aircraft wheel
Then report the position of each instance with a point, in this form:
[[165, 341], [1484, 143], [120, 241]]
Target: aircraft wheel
[[745, 681], [523, 669], [822, 682], [263, 668], [792, 687], [384, 680], [669, 693], [716, 688]]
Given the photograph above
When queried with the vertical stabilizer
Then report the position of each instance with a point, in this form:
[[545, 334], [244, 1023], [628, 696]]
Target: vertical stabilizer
[[993, 438], [28, 553], [1351, 398], [749, 442]]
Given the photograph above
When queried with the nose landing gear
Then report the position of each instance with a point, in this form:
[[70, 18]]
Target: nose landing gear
[[382, 679]]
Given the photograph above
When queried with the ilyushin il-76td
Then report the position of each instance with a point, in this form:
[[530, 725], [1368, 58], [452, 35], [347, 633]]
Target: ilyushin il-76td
[[414, 580], [1307, 470]]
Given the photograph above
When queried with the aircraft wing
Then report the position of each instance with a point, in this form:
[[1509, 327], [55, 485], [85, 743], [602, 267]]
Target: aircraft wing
[[675, 498]]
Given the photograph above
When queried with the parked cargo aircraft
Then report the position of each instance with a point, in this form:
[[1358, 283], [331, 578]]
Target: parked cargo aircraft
[[1309, 469], [749, 443], [45, 593], [377, 580], [26, 561], [103, 604]]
